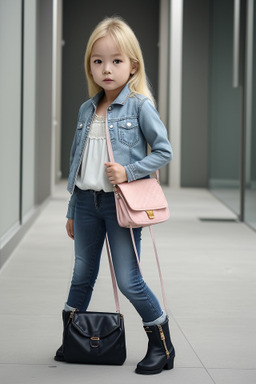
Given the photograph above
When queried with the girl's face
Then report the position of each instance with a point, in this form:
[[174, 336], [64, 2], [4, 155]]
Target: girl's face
[[110, 68]]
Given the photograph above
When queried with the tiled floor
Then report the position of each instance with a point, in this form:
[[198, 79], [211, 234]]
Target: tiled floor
[[209, 270]]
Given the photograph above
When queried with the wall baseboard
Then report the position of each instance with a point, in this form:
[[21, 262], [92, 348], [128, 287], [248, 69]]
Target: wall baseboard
[[13, 237]]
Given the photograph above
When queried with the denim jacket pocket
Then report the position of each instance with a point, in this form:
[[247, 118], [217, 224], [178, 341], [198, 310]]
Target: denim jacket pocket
[[128, 132]]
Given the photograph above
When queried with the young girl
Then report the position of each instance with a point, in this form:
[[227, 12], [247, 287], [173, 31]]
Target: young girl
[[117, 84]]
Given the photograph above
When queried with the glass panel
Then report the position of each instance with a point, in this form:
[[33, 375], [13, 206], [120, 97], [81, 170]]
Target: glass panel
[[250, 193], [10, 52], [225, 110]]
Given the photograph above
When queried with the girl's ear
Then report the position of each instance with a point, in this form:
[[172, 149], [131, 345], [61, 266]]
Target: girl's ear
[[134, 68]]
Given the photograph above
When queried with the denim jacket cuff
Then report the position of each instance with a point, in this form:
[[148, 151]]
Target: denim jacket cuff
[[70, 213], [130, 171], [71, 206]]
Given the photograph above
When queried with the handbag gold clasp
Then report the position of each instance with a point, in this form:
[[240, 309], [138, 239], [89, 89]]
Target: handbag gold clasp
[[116, 192], [95, 342], [71, 316], [150, 214]]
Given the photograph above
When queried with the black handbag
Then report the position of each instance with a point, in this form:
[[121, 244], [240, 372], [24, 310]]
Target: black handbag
[[96, 337]]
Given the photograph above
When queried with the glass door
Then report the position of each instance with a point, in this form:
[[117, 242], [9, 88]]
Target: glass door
[[250, 171], [232, 171], [225, 109]]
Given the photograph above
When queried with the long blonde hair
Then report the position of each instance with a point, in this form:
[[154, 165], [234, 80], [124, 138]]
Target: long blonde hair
[[129, 45]]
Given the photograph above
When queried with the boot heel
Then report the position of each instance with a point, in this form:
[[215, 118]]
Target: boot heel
[[169, 364]]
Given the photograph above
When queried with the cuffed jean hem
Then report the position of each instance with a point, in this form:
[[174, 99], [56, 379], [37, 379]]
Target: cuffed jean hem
[[68, 308], [158, 321]]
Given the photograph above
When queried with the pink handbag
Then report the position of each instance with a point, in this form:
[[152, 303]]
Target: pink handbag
[[140, 203]]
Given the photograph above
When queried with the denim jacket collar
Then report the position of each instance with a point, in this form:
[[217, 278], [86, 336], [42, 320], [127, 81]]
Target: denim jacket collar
[[121, 98]]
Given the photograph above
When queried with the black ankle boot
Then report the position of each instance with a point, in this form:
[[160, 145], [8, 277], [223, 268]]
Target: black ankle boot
[[59, 353], [160, 354]]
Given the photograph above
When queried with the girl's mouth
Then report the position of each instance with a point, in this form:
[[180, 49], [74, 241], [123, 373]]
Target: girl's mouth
[[108, 80]]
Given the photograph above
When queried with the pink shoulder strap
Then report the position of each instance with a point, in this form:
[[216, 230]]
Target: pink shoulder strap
[[111, 157], [113, 277]]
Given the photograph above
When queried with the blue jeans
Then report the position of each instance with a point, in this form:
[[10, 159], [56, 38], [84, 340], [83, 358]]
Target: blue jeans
[[95, 214]]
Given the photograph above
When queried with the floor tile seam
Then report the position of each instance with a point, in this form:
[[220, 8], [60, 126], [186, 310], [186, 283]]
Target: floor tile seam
[[213, 279], [29, 364], [223, 322], [31, 314], [54, 364], [231, 369], [33, 279], [183, 333]]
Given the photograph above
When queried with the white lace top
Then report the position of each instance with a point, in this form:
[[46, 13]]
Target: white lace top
[[92, 173]]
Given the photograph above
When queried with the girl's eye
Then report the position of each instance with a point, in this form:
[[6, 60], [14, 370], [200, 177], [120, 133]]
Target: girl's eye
[[117, 61], [97, 61]]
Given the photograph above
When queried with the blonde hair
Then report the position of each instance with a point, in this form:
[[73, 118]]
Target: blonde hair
[[128, 44]]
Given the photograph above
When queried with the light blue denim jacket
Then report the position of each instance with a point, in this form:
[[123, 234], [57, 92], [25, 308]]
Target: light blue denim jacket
[[133, 122]]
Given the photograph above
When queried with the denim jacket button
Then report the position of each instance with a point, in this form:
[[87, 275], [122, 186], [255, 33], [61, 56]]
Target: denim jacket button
[[128, 124], [110, 108], [81, 125], [111, 126]]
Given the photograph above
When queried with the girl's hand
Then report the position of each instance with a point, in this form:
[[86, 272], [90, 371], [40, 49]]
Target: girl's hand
[[116, 173], [70, 228]]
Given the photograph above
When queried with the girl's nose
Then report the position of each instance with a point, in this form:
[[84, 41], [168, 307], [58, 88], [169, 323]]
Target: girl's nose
[[106, 71]]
